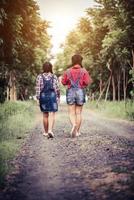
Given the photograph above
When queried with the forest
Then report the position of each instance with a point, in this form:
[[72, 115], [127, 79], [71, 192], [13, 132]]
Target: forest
[[104, 37], [24, 45]]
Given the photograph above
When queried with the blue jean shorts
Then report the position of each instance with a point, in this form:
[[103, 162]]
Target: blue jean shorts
[[75, 96]]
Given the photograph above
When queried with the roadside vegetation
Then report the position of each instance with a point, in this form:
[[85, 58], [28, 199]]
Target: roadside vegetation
[[16, 121], [113, 109]]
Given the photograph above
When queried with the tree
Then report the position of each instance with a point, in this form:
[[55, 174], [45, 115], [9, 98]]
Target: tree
[[106, 40], [24, 44]]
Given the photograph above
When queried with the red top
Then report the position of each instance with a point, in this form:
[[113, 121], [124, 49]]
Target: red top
[[75, 71]]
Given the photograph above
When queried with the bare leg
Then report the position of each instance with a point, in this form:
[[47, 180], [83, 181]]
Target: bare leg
[[78, 117], [72, 114], [45, 122], [51, 121]]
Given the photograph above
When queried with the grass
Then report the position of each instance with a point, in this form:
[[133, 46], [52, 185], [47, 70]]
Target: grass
[[121, 110], [16, 120]]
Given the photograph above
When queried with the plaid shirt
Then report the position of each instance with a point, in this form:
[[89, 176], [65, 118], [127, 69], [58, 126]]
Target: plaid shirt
[[40, 85]]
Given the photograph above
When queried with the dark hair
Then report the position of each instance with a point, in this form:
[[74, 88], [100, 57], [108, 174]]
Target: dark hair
[[77, 59], [47, 67]]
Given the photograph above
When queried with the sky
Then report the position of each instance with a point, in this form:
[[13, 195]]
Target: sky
[[63, 15]]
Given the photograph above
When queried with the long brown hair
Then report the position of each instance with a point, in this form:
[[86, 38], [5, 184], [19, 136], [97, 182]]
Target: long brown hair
[[47, 67]]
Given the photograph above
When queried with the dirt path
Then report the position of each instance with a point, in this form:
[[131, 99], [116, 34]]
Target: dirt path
[[98, 165]]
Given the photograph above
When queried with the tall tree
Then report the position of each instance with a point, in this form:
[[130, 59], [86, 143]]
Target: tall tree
[[106, 40], [24, 44]]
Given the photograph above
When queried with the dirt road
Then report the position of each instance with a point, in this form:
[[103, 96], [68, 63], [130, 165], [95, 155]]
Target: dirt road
[[97, 165]]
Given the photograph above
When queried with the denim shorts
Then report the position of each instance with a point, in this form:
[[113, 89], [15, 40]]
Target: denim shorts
[[75, 96], [48, 102]]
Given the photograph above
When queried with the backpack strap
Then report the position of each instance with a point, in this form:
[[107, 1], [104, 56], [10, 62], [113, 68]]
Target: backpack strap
[[74, 84]]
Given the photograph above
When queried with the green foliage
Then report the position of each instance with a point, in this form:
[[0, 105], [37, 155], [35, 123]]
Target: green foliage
[[16, 121], [24, 41], [62, 90], [120, 110], [105, 39]]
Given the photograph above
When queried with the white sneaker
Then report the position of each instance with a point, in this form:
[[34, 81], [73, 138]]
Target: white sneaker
[[45, 134]]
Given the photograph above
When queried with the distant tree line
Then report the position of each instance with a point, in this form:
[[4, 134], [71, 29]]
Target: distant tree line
[[105, 38], [24, 45]]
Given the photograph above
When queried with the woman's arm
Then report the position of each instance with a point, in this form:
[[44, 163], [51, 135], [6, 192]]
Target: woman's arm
[[64, 79], [86, 78]]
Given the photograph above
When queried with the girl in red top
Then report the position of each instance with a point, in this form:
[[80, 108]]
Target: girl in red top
[[76, 78]]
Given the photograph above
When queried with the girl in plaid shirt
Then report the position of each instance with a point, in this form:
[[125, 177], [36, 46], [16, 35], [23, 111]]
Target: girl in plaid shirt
[[48, 101]]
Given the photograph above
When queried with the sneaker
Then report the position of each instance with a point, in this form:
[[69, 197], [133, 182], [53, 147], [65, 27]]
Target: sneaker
[[73, 131], [50, 135], [45, 134]]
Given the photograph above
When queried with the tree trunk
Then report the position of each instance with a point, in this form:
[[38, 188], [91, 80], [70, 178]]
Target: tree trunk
[[100, 85], [133, 58], [124, 84], [133, 64], [109, 81], [8, 93], [119, 82], [102, 91], [114, 89], [12, 87]]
